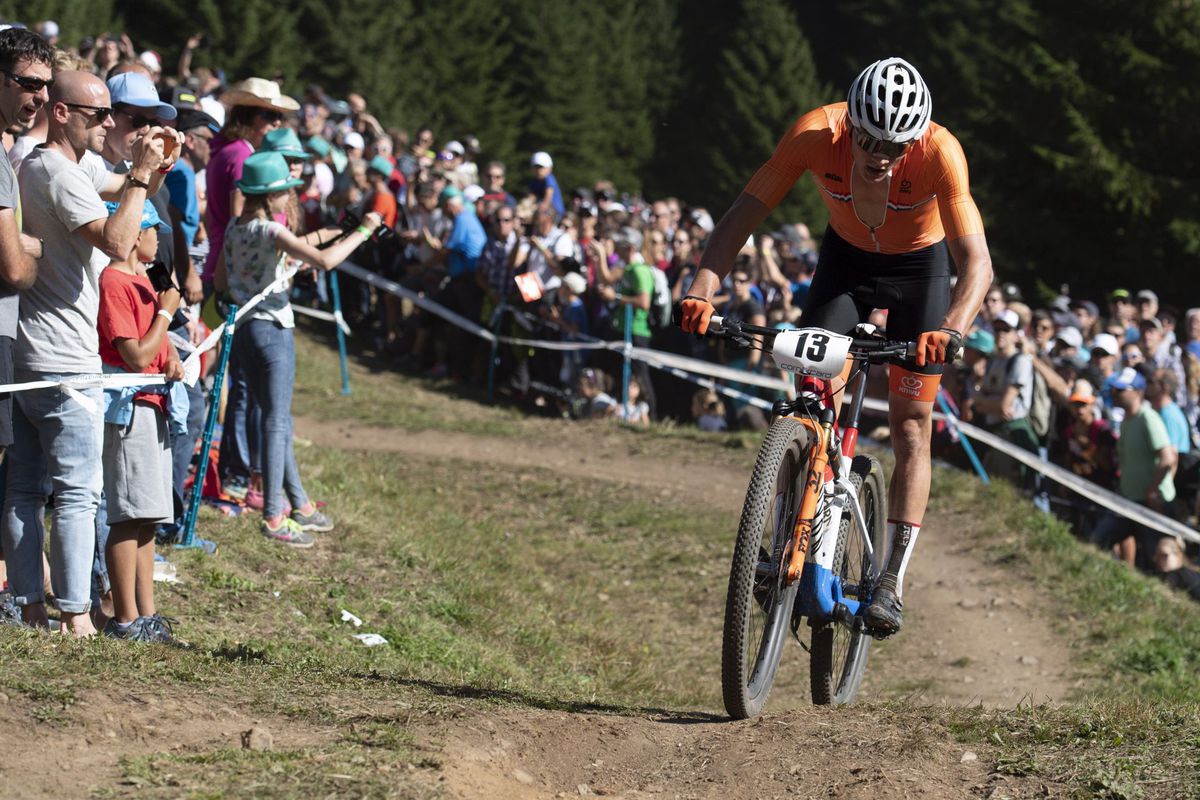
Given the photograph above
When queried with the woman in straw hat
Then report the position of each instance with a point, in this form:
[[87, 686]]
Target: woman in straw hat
[[256, 107]]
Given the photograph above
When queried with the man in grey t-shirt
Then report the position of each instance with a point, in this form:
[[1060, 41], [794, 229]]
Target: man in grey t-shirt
[[56, 431], [25, 59]]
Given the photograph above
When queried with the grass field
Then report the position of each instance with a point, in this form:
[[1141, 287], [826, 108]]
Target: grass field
[[532, 588]]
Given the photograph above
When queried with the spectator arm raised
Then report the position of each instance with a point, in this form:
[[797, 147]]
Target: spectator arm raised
[[116, 235], [1058, 387]]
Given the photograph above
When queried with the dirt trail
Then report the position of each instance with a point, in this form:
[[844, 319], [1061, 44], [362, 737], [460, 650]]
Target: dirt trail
[[974, 635]]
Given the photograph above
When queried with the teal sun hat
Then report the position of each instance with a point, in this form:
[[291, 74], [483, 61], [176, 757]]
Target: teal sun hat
[[264, 173]]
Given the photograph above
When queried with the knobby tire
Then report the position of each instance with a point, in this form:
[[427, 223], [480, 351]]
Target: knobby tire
[[749, 659], [838, 656]]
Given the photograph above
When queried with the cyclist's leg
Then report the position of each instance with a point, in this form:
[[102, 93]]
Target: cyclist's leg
[[923, 302]]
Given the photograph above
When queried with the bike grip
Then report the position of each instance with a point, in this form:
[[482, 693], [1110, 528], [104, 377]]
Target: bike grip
[[716, 324]]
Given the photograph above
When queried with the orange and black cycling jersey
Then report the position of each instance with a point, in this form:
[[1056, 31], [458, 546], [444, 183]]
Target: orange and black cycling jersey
[[929, 198]]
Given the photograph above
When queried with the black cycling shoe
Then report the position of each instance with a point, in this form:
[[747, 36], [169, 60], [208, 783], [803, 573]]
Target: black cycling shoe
[[885, 615]]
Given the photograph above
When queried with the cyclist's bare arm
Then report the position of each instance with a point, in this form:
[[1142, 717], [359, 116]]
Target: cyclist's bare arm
[[726, 240], [974, 263]]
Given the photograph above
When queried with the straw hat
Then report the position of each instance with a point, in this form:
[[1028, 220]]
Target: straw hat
[[259, 92]]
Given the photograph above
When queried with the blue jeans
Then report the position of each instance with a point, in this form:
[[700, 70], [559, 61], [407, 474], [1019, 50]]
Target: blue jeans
[[57, 448], [267, 353]]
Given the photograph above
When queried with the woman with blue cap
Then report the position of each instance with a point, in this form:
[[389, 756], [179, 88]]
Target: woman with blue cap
[[253, 256]]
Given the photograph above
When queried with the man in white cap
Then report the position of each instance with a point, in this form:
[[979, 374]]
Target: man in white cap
[[544, 186]]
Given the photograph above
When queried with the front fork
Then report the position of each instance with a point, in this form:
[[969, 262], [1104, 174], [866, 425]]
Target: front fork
[[813, 487]]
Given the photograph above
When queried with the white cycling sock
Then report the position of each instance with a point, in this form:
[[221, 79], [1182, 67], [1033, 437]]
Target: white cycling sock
[[903, 536]]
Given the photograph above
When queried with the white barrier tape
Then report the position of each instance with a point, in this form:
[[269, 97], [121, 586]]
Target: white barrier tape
[[1111, 501], [676, 363], [191, 367], [73, 384], [316, 313]]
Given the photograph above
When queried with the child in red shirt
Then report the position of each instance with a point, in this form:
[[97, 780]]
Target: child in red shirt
[[133, 324]]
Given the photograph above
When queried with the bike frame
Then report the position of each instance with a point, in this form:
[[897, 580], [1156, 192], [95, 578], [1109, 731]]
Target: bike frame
[[822, 596]]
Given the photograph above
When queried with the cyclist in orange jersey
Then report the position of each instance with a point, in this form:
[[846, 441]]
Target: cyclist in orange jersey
[[900, 207]]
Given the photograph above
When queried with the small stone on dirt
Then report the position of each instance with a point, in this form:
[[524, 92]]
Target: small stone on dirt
[[968, 757], [521, 776], [584, 789], [257, 738], [1028, 660], [968, 602]]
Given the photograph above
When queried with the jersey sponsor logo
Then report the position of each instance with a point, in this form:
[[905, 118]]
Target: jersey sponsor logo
[[906, 186], [833, 176]]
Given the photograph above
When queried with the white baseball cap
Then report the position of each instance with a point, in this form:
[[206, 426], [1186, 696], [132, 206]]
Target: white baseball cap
[[575, 282], [1009, 318], [1071, 337], [1106, 343], [354, 140], [541, 159], [473, 192]]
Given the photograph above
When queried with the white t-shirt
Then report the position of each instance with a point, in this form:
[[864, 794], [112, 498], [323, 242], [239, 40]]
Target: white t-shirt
[[57, 328], [22, 147], [558, 242], [1000, 375]]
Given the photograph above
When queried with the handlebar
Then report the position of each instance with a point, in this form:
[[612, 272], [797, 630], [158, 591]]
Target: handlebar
[[873, 349]]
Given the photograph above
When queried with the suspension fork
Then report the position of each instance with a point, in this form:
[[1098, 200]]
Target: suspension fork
[[813, 484]]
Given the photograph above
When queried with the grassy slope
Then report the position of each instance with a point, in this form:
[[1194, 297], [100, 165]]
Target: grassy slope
[[532, 588]]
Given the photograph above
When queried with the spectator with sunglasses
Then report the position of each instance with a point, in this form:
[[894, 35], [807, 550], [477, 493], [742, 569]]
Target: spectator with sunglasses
[[57, 439], [896, 187]]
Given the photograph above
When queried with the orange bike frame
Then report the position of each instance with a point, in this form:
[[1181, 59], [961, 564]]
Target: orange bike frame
[[813, 483]]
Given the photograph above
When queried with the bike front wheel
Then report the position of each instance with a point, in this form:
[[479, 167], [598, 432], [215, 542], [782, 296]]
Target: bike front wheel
[[758, 605], [839, 652]]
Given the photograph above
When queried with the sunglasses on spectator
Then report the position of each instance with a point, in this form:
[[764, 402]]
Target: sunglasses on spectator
[[869, 144], [28, 82], [680, 240], [102, 112], [137, 120], [504, 219], [270, 115], [740, 279], [495, 176]]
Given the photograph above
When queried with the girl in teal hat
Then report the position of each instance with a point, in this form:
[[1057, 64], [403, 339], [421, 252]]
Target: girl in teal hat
[[254, 256]]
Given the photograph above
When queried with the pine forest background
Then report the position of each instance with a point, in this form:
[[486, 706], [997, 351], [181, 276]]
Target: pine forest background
[[1080, 120]]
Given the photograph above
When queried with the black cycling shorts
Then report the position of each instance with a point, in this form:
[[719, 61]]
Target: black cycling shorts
[[849, 282]]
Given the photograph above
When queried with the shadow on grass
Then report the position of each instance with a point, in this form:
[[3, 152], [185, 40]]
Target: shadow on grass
[[546, 703]]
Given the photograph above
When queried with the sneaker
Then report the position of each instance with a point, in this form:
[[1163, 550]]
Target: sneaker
[[235, 489], [885, 615], [289, 533], [133, 632], [159, 629], [316, 521], [10, 613]]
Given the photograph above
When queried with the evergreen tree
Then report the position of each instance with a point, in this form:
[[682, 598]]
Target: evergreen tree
[[558, 91], [459, 74], [768, 80], [75, 20]]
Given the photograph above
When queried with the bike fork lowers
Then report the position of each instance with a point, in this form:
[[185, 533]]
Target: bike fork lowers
[[813, 486]]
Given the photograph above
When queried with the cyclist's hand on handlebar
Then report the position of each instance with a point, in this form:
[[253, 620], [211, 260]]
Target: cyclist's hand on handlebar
[[692, 314], [938, 347]]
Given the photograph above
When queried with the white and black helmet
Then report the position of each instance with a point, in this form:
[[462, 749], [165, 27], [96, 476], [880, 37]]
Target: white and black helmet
[[890, 101]]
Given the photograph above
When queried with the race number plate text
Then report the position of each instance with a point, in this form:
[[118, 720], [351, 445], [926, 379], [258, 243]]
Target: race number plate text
[[812, 351]]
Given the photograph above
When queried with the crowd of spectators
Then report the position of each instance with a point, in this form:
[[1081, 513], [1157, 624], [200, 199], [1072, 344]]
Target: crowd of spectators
[[254, 181]]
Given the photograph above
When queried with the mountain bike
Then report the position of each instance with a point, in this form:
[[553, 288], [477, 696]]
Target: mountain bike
[[813, 530]]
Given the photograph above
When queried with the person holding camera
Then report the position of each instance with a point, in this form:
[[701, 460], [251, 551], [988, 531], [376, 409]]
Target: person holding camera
[[252, 257], [135, 312], [57, 439]]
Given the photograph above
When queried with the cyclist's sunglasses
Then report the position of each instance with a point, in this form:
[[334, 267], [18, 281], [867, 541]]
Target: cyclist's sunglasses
[[102, 112], [873, 146], [28, 82]]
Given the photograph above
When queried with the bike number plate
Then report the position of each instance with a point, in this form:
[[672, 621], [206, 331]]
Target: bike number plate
[[811, 351]]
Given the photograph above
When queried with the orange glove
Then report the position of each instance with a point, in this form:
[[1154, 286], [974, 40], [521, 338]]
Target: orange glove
[[694, 314], [938, 347]]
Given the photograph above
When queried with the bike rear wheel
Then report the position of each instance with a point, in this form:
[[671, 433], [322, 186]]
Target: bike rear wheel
[[838, 657], [758, 606]]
